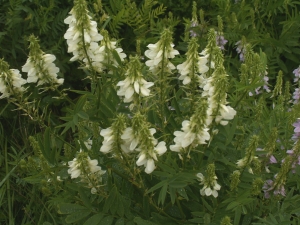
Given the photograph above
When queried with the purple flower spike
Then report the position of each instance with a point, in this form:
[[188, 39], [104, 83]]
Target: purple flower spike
[[297, 74], [221, 41], [296, 96], [241, 50], [296, 135]]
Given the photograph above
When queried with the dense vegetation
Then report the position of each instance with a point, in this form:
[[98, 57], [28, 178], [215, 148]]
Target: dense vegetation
[[240, 95]]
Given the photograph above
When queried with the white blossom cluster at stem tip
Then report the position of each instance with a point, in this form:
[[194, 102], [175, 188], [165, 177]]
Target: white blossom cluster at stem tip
[[11, 81], [83, 37], [134, 83], [134, 141], [211, 187], [147, 149], [82, 33], [104, 55], [195, 130], [43, 71], [83, 166], [214, 89], [160, 53], [40, 67], [187, 136], [194, 66]]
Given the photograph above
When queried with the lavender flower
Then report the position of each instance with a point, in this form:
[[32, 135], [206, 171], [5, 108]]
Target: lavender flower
[[297, 74], [265, 86], [221, 41], [296, 96], [269, 186], [192, 32], [296, 135], [240, 50], [272, 160]]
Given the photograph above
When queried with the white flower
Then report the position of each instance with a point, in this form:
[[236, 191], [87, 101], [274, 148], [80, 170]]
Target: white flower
[[11, 82], [147, 162], [129, 86], [226, 113], [41, 68], [216, 101], [147, 158], [156, 53], [186, 68], [108, 140], [74, 168], [186, 137], [81, 27], [209, 188], [83, 162], [88, 144], [104, 54], [130, 141], [160, 148]]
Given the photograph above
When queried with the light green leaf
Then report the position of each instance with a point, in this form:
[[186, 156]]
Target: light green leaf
[[68, 208]]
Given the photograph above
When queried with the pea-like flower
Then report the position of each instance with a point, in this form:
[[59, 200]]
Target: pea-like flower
[[82, 36], [42, 69], [134, 84], [161, 52], [11, 81], [83, 166], [211, 187]]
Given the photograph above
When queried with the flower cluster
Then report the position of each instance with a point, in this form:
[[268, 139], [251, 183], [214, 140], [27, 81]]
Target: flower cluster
[[269, 186], [214, 89], [193, 65], [134, 84], [221, 41], [112, 136], [82, 36], [296, 72], [104, 56], [139, 138], [40, 66], [241, 50], [296, 159], [296, 96], [83, 165], [296, 135], [161, 52], [211, 187], [11, 81], [194, 131], [258, 90], [87, 169]]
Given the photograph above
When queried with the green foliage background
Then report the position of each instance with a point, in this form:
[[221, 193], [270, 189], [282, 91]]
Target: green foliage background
[[270, 26]]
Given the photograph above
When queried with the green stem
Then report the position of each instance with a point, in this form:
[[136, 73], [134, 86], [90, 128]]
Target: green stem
[[240, 99], [93, 85], [194, 87]]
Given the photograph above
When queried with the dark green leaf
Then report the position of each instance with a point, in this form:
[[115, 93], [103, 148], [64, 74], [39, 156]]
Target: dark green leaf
[[95, 219], [75, 217]]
